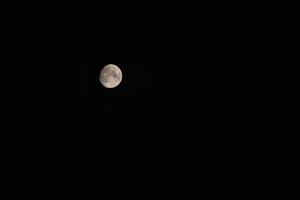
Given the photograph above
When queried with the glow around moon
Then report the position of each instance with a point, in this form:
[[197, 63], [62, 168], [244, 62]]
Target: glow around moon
[[110, 76]]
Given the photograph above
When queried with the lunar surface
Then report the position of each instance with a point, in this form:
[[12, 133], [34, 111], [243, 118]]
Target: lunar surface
[[110, 76]]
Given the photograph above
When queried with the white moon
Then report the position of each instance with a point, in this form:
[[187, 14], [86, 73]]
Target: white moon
[[110, 76]]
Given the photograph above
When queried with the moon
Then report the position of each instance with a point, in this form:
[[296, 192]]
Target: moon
[[110, 76]]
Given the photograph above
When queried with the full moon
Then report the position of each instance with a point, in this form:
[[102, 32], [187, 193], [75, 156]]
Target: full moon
[[110, 76]]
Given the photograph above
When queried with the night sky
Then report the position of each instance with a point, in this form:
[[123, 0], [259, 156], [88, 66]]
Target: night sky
[[200, 80]]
